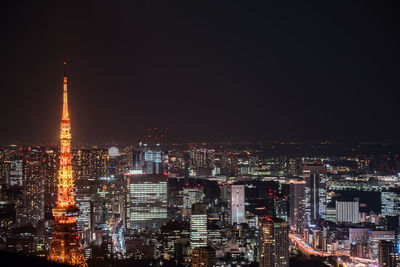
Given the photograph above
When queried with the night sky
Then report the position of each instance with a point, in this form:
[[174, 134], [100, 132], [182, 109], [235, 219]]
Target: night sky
[[209, 70]]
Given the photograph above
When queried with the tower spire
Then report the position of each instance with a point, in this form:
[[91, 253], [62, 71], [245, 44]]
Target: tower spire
[[65, 69], [65, 94]]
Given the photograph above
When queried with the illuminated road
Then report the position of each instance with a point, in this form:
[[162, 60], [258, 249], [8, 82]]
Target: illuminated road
[[310, 251]]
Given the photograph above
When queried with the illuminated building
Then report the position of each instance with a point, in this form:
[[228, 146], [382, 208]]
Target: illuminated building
[[216, 235], [252, 221], [16, 172], [315, 177], [65, 246], [22, 240], [297, 205], [347, 211], [153, 161], [33, 189], [107, 247], [147, 200], [4, 168], [390, 202], [387, 255], [375, 237], [331, 213], [203, 257], [89, 164], [359, 250], [174, 233], [198, 226], [50, 165], [191, 196], [359, 235], [273, 242], [281, 206], [237, 204], [84, 194], [202, 158]]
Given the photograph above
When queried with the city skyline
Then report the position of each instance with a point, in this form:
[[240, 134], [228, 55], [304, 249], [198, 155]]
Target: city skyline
[[222, 72], [213, 135]]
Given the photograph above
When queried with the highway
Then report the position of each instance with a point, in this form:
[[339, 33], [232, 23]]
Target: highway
[[310, 251]]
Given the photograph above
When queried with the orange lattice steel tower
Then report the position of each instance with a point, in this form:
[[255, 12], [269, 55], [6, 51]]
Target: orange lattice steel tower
[[65, 247]]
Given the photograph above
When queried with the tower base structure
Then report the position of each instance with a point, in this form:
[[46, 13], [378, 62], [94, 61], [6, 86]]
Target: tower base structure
[[65, 246]]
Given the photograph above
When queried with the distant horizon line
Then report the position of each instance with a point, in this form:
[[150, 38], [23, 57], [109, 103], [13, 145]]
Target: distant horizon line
[[272, 142]]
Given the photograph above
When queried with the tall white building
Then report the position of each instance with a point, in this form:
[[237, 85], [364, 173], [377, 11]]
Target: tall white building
[[347, 211], [198, 226], [237, 204], [147, 201]]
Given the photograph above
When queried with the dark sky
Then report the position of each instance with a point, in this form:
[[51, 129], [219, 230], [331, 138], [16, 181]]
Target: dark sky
[[209, 70]]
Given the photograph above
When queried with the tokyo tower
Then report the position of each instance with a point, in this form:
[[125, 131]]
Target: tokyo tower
[[65, 246]]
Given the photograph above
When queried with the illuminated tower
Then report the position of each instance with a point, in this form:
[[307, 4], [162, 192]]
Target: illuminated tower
[[65, 246]]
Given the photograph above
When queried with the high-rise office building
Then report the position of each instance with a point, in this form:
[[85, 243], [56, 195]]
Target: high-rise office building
[[237, 204], [273, 242], [84, 200], [315, 177], [191, 196], [390, 203], [147, 200], [203, 257], [148, 158], [33, 188], [198, 226], [50, 165], [153, 161], [297, 205], [347, 211], [281, 206]]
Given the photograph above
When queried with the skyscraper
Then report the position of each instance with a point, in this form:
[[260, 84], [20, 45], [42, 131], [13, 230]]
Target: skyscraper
[[297, 205], [390, 203], [281, 206], [274, 242], [237, 204], [315, 177], [147, 200], [65, 246], [198, 226], [153, 161], [191, 196], [33, 187], [347, 211]]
